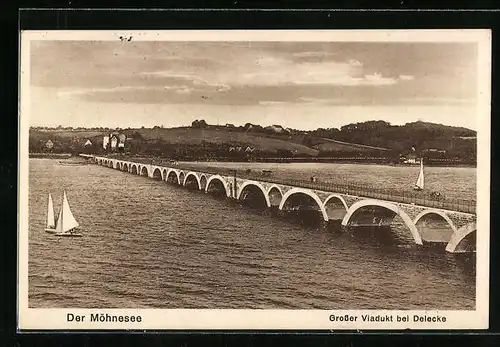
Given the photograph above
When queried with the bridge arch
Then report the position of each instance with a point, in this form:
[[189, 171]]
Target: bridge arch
[[457, 242], [144, 171], [335, 207], [219, 179], [308, 193], [388, 206], [172, 176], [435, 221], [259, 186], [275, 195], [157, 175], [191, 174], [110, 163], [125, 167]]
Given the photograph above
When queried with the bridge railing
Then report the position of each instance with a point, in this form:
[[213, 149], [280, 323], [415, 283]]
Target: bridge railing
[[421, 198]]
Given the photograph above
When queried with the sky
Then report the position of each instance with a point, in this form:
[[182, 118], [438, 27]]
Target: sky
[[301, 85]]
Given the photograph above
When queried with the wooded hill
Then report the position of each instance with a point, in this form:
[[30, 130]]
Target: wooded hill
[[373, 138]]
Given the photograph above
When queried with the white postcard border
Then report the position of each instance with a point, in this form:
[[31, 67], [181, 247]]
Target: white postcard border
[[187, 319]]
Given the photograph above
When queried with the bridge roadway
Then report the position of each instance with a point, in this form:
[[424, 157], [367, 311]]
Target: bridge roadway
[[450, 222]]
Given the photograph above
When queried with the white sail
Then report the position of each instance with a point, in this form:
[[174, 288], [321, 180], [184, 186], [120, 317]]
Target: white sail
[[51, 223], [420, 180], [65, 221], [59, 226], [69, 222]]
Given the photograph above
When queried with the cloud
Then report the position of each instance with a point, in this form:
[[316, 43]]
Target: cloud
[[272, 103], [267, 70], [309, 54], [281, 71], [377, 79], [185, 90], [406, 77], [190, 79], [68, 93]]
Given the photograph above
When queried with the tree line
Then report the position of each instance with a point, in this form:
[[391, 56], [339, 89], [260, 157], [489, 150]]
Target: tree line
[[431, 141]]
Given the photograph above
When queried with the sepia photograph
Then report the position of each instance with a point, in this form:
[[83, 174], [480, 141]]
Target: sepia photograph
[[254, 179]]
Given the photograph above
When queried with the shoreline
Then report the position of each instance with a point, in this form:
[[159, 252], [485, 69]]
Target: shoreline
[[263, 160]]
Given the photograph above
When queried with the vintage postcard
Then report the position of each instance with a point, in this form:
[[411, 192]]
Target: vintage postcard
[[254, 180]]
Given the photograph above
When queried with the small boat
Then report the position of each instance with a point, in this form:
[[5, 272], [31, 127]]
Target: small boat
[[66, 224], [419, 185]]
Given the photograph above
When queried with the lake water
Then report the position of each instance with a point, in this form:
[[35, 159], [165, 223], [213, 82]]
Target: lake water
[[150, 244]]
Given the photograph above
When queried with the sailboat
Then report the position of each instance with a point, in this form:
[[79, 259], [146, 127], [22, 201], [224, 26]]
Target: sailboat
[[66, 224], [419, 185]]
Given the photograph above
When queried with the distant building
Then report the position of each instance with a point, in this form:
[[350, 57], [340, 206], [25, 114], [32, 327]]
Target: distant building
[[276, 128], [105, 142], [88, 143], [228, 125], [49, 144], [122, 138], [249, 149], [113, 141], [434, 150], [411, 159]]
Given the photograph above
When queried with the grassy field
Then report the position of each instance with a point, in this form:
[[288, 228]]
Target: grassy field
[[197, 136], [194, 136], [333, 145]]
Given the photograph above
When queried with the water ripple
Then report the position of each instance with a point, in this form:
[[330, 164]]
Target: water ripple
[[148, 244]]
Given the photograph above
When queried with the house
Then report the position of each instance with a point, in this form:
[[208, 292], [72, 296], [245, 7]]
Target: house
[[122, 138], [88, 143], [105, 142], [411, 159], [434, 150], [278, 128], [49, 144], [113, 141], [249, 149], [275, 128]]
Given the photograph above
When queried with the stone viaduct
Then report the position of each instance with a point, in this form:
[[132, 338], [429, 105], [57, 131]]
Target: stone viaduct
[[455, 229]]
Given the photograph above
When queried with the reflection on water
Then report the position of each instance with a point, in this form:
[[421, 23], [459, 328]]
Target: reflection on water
[[150, 244]]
